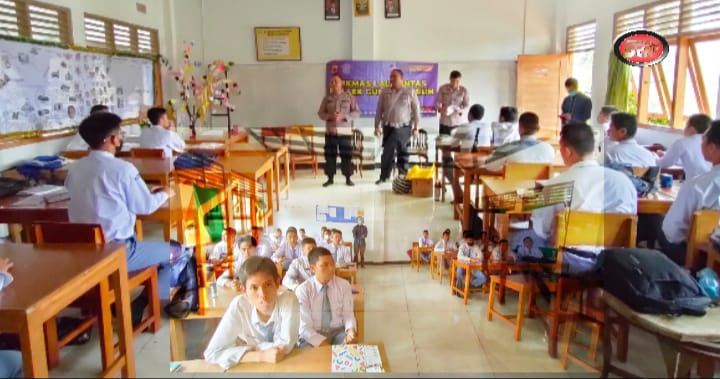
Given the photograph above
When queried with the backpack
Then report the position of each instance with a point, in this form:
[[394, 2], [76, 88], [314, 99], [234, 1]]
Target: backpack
[[649, 282], [194, 160], [643, 184], [183, 275], [400, 185]]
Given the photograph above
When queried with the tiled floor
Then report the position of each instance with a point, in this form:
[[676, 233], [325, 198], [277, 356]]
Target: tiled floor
[[425, 330]]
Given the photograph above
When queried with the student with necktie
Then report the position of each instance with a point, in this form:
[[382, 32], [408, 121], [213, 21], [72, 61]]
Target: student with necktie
[[326, 304]]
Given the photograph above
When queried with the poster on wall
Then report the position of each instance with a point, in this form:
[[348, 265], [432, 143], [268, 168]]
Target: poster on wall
[[365, 80], [337, 214], [278, 44]]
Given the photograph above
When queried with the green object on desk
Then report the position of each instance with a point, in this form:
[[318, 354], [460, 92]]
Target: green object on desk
[[214, 220], [549, 253], [174, 366]]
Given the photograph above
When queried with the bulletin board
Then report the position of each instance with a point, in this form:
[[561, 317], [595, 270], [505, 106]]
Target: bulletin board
[[278, 44], [46, 88]]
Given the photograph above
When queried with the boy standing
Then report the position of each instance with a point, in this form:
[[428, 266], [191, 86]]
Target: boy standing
[[360, 233]]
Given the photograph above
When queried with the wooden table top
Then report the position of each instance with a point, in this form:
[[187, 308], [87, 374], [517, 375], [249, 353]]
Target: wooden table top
[[309, 359], [250, 166], [146, 166], [42, 271], [495, 186]]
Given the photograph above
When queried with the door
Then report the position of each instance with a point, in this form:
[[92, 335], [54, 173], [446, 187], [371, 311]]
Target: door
[[541, 89]]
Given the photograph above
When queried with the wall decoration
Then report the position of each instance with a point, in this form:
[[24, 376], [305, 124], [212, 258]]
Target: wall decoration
[[332, 10], [362, 8], [278, 43], [392, 8]]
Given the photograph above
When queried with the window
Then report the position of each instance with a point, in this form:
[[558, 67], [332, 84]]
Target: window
[[35, 20], [580, 44], [692, 27], [121, 36]]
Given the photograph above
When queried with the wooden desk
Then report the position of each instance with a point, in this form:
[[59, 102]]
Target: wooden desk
[[47, 280], [349, 273], [219, 304], [309, 359], [282, 153], [254, 167], [150, 169], [468, 166], [211, 136], [660, 201]]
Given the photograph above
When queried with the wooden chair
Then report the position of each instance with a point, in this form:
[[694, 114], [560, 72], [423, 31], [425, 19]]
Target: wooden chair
[[520, 284], [276, 132], [702, 225], [147, 153], [418, 146], [357, 149], [413, 259], [527, 171], [307, 153], [60, 232], [75, 154], [420, 251]]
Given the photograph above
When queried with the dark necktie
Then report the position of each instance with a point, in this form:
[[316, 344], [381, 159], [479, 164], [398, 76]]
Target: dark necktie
[[475, 143], [267, 331], [326, 312]]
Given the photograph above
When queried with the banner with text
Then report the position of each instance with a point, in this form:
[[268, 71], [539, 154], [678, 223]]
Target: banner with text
[[365, 80]]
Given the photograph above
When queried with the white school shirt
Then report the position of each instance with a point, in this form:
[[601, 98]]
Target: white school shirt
[[687, 153], [425, 242], [496, 255], [504, 132], [310, 296], [109, 191], [464, 135], [285, 250], [220, 251], [542, 152], [241, 321], [698, 193], [441, 246], [630, 153], [298, 272], [531, 252], [340, 253], [466, 252], [5, 279], [264, 248], [595, 189], [157, 137], [77, 143]]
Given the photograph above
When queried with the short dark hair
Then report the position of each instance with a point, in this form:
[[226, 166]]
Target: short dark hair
[[504, 241], [608, 109], [527, 238], [624, 120], [99, 108], [700, 122], [425, 231], [247, 239], [301, 230], [154, 114], [316, 253], [446, 231], [468, 234], [529, 121], [455, 74], [257, 228], [509, 114], [579, 137], [308, 241], [291, 230], [399, 71], [477, 111], [96, 128], [713, 133], [338, 231], [323, 228], [571, 82], [256, 264]]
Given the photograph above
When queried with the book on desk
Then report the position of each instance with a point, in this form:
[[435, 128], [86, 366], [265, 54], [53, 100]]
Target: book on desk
[[356, 358]]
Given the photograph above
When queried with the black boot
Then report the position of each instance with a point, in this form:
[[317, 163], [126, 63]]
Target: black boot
[[329, 182], [349, 182]]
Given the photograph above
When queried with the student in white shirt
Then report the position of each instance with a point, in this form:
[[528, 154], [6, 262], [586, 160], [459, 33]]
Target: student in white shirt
[[326, 304], [264, 246], [11, 365], [506, 129], [469, 252], [528, 250], [596, 189], [246, 248], [623, 127], [261, 325], [502, 253], [698, 193], [476, 133], [339, 251], [276, 239], [220, 250], [425, 241], [109, 191], [289, 249], [299, 270], [687, 151], [77, 143], [526, 150], [160, 135], [301, 234], [601, 132], [444, 246]]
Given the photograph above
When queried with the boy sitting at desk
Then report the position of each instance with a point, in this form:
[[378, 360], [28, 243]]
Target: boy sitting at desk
[[289, 249], [526, 150], [339, 252], [326, 304], [444, 246], [700, 192], [502, 253], [687, 151], [528, 250], [109, 191], [160, 135], [260, 325], [425, 241], [77, 143], [11, 365], [246, 247], [623, 127], [299, 270], [220, 250], [264, 246], [469, 252]]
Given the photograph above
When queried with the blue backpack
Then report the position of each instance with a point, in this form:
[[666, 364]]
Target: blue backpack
[[643, 184]]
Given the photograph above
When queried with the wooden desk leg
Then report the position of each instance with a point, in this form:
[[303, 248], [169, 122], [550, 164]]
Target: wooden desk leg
[[105, 326], [607, 343], [677, 365], [287, 174], [15, 231], [452, 277], [119, 286], [270, 189], [467, 285], [466, 202], [32, 345], [276, 177], [455, 184], [177, 340]]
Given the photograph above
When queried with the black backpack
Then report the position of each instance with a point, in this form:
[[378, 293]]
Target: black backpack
[[643, 184], [649, 282]]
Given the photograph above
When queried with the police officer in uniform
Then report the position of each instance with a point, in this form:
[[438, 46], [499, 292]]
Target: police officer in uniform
[[338, 110]]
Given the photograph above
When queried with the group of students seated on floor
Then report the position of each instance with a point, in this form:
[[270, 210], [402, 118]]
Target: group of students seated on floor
[[312, 308]]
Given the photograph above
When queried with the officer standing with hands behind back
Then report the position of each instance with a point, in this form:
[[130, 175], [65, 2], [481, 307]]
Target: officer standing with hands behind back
[[338, 109], [397, 112]]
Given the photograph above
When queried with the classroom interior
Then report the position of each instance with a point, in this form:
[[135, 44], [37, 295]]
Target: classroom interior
[[423, 327]]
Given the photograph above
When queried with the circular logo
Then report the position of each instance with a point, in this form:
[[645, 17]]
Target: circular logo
[[641, 48]]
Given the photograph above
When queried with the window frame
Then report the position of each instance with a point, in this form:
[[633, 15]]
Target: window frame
[[133, 30], [24, 22]]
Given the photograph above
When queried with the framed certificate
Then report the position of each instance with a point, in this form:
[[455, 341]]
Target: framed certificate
[[362, 7], [278, 43]]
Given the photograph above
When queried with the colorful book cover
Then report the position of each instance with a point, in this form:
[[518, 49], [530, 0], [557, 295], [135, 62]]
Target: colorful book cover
[[356, 358]]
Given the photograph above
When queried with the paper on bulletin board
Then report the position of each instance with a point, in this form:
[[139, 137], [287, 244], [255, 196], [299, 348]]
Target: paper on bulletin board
[[337, 214], [278, 44]]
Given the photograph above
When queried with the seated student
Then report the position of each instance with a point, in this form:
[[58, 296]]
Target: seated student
[[469, 253], [528, 250], [77, 142], [687, 151], [339, 251], [623, 127], [526, 150], [301, 234], [299, 270], [261, 325], [476, 133], [11, 365], [502, 253], [505, 130], [444, 246], [425, 241], [700, 192], [596, 189], [601, 131], [289, 249], [326, 304], [159, 135], [220, 250], [109, 191], [264, 246], [246, 248], [276, 239]]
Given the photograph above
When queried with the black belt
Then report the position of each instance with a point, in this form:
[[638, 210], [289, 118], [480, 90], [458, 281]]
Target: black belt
[[406, 125]]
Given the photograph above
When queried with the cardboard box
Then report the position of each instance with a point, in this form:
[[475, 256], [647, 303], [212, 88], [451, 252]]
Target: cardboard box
[[422, 187]]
